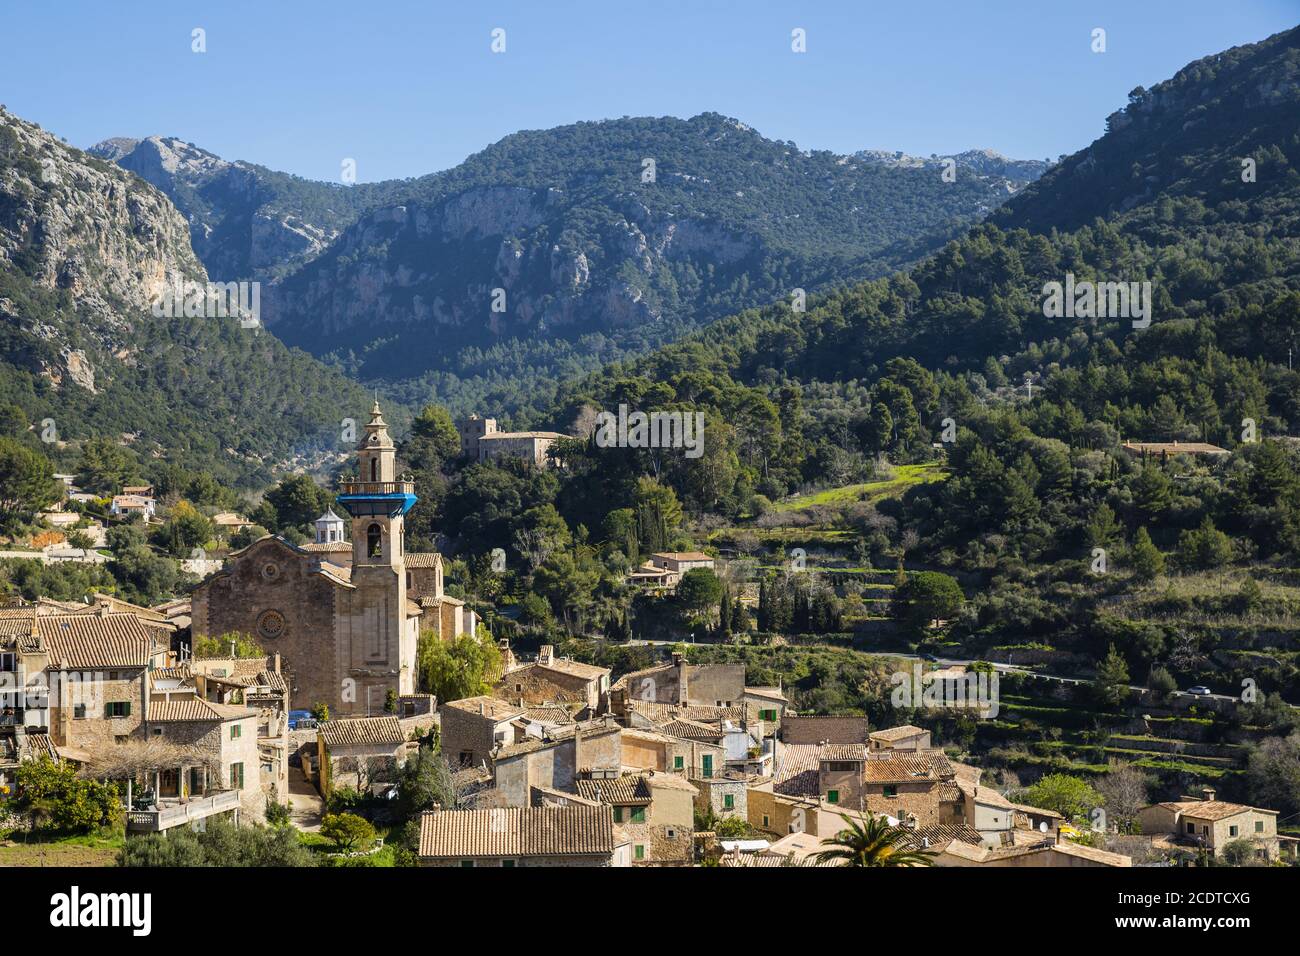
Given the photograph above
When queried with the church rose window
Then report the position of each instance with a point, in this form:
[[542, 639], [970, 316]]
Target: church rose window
[[270, 624], [270, 571]]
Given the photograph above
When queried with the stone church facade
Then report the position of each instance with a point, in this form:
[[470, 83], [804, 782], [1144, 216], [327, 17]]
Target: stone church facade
[[345, 616]]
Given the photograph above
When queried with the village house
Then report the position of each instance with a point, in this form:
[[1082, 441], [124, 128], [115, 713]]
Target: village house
[[475, 727], [1212, 823], [574, 835], [678, 684], [129, 505], [359, 752], [725, 794], [1164, 450], [256, 683], [553, 680], [1045, 853], [655, 810], [905, 737], [220, 767], [101, 687], [555, 762]]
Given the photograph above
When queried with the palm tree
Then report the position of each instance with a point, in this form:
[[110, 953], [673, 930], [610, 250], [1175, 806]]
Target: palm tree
[[873, 842]]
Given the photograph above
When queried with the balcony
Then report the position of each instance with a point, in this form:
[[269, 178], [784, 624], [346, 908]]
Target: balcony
[[378, 487], [391, 498], [173, 814]]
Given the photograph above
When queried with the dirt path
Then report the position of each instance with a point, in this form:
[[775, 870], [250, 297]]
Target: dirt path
[[306, 805]]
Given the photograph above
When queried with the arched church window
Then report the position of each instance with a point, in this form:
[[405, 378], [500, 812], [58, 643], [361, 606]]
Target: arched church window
[[374, 537], [374, 469]]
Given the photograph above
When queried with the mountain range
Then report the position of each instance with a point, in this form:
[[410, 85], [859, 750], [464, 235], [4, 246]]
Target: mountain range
[[606, 262], [604, 239]]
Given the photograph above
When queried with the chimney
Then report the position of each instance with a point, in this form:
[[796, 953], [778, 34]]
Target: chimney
[[275, 662], [546, 654], [482, 709], [1207, 793], [678, 657]]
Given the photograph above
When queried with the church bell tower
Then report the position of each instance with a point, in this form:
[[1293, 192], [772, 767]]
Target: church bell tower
[[381, 641]]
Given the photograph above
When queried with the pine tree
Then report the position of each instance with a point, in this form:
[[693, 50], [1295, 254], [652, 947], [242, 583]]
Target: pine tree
[[1145, 557]]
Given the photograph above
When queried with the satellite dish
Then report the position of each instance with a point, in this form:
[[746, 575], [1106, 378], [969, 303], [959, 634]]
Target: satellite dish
[[1043, 826]]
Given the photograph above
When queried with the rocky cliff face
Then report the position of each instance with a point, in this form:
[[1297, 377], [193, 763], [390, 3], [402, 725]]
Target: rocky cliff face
[[96, 238], [85, 248], [240, 226]]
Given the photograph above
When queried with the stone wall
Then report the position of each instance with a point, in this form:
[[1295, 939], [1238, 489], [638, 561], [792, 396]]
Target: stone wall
[[236, 599]]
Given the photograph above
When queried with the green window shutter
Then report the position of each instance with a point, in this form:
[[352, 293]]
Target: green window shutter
[[618, 814], [126, 709], [679, 763], [638, 815], [728, 802], [640, 851], [832, 796]]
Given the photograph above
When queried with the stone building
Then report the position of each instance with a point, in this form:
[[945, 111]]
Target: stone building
[[655, 810], [553, 680], [482, 440], [358, 752], [344, 618], [475, 727], [1213, 823], [574, 835]]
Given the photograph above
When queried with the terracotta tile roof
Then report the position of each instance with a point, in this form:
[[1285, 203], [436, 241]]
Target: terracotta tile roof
[[514, 832], [328, 547], [941, 834], [575, 668], [345, 731], [83, 641], [986, 855], [990, 797], [700, 713], [549, 715], [629, 679], [896, 733], [194, 709], [621, 791], [1210, 809], [893, 767], [492, 708], [1037, 811], [424, 559], [797, 768], [691, 730], [847, 752], [683, 555]]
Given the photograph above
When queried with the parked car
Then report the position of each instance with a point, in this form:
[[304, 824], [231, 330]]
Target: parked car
[[1200, 690], [301, 720]]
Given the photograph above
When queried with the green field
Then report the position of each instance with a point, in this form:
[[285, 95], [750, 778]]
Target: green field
[[904, 477]]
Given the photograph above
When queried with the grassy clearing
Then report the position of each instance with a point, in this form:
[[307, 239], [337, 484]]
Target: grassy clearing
[[98, 849], [904, 477]]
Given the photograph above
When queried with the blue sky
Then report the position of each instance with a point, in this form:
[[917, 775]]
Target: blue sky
[[406, 88]]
